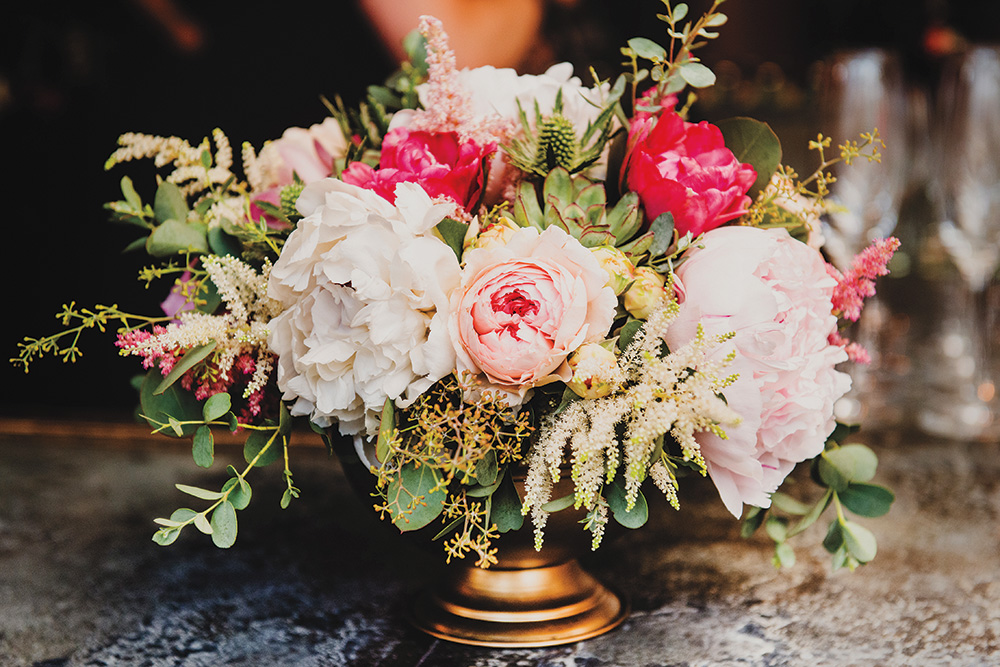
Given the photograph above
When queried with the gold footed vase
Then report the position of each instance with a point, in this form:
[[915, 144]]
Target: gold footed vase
[[530, 598]]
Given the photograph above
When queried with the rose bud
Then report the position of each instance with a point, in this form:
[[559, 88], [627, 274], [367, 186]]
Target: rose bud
[[619, 268], [497, 234], [595, 371], [646, 293]]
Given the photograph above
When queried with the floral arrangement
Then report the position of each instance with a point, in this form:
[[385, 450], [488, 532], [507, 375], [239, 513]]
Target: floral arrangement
[[477, 274]]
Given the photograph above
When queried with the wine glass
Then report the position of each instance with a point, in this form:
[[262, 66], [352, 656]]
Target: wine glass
[[864, 90], [960, 400]]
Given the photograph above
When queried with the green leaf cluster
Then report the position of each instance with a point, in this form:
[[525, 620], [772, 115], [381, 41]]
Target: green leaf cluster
[[177, 412], [579, 206], [844, 471]]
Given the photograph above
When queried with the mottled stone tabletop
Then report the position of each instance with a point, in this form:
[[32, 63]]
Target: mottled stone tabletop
[[323, 583]]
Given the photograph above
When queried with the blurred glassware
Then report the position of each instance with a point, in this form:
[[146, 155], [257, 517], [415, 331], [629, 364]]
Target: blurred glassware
[[960, 396], [863, 90]]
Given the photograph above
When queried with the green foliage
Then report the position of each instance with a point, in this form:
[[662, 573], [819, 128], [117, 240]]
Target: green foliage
[[191, 358], [630, 517], [579, 206], [453, 233], [506, 511], [673, 68], [415, 497], [844, 471], [753, 143], [173, 403]]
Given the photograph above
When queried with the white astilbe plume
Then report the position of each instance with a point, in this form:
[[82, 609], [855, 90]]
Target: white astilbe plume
[[676, 394], [189, 174]]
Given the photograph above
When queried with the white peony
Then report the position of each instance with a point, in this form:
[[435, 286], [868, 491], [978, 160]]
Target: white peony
[[365, 287]]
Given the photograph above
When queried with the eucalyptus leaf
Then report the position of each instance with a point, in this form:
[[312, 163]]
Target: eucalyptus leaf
[[648, 49], [256, 443], [850, 463], [506, 506], [813, 514], [216, 406], [776, 528], [174, 402], [753, 143], [183, 515], [131, 196], [860, 542], [203, 447], [486, 468], [617, 499], [202, 524], [752, 521], [135, 245], [559, 504], [784, 555], [197, 492], [223, 244], [190, 359], [166, 536], [834, 537], [697, 75], [786, 503], [174, 237], [414, 497], [169, 203], [868, 500], [224, 525], [627, 333], [239, 492]]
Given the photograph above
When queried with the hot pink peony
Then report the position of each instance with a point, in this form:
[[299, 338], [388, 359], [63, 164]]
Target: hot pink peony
[[686, 169], [522, 308], [775, 294], [441, 163]]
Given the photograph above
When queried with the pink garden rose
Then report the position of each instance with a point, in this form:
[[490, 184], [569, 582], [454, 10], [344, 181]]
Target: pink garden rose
[[441, 163], [774, 292], [686, 169], [522, 308]]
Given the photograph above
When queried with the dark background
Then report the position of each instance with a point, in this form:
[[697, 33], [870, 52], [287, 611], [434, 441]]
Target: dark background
[[73, 76]]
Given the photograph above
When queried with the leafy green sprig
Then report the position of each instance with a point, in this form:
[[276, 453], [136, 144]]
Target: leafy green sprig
[[844, 471], [675, 66], [265, 444]]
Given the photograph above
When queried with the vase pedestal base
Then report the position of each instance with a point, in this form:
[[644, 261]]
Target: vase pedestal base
[[518, 608]]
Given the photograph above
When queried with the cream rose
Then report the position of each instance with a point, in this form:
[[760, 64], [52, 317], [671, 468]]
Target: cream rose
[[522, 308]]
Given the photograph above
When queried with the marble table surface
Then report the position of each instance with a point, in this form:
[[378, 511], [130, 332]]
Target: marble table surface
[[323, 582]]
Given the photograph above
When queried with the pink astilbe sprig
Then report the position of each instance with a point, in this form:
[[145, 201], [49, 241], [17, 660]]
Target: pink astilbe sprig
[[448, 106], [854, 286], [858, 282]]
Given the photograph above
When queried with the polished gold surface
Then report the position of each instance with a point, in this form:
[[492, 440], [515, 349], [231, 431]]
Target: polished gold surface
[[536, 606]]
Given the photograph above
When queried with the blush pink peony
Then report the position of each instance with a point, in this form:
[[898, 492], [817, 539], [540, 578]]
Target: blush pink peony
[[440, 162], [523, 307], [686, 169], [774, 292]]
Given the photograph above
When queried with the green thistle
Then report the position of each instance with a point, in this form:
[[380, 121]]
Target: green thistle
[[557, 144]]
